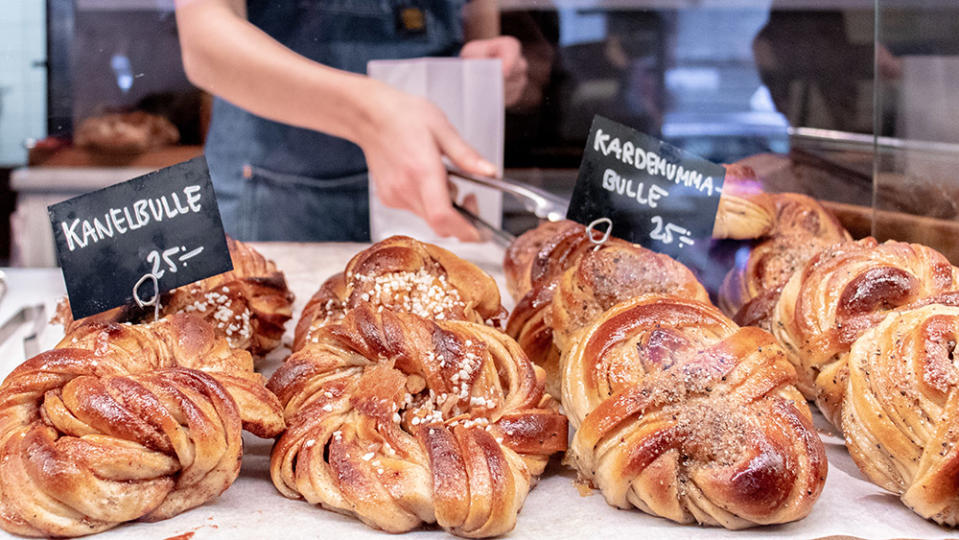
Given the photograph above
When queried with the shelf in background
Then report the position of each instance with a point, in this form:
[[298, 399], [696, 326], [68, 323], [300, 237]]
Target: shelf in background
[[124, 5], [784, 5]]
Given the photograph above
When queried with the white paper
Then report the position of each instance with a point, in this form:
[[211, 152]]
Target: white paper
[[470, 93], [252, 508]]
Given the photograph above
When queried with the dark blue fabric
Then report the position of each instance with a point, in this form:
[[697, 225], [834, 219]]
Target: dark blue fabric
[[278, 182]]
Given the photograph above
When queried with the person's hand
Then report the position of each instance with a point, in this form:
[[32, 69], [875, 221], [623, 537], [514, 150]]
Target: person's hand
[[404, 146], [509, 51], [890, 66]]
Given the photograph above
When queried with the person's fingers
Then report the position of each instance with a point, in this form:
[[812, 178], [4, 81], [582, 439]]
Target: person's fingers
[[509, 50], [515, 84], [514, 66], [393, 183], [471, 203], [448, 222], [439, 212], [423, 173], [475, 49], [521, 70], [460, 152]]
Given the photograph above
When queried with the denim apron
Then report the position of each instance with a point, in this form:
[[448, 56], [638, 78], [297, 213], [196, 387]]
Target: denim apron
[[278, 182]]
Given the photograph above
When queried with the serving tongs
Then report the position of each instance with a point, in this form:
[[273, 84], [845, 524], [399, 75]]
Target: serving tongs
[[540, 203], [487, 230]]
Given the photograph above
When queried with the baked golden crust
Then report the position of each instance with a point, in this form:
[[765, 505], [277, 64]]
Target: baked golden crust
[[327, 305], [401, 420], [403, 274], [744, 211], [550, 242], [802, 228], [248, 305], [534, 262], [123, 422], [531, 326], [684, 415], [843, 291], [574, 282], [541, 254], [605, 277], [900, 410]]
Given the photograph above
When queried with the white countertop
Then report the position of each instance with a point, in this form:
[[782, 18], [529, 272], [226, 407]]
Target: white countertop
[[252, 507], [71, 179]]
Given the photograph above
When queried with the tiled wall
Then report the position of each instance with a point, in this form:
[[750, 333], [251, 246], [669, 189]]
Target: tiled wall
[[22, 83]]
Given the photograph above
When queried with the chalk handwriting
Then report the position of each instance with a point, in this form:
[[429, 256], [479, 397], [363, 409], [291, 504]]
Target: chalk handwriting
[[82, 232]]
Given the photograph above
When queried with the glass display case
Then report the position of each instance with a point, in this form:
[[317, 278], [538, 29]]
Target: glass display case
[[796, 88], [916, 191], [415, 387]]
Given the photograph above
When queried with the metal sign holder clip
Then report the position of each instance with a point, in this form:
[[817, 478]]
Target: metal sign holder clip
[[604, 236], [155, 300]]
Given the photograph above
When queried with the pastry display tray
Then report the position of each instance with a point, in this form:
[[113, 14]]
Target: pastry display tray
[[555, 508]]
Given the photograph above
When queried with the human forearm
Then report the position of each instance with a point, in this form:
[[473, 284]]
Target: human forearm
[[231, 58], [481, 19], [403, 137]]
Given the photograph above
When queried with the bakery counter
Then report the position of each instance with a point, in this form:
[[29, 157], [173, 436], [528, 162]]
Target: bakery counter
[[556, 508], [39, 187]]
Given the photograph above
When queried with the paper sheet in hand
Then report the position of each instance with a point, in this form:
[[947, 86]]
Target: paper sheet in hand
[[470, 93]]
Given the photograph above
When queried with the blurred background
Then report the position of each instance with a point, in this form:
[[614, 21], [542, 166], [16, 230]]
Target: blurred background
[[848, 100]]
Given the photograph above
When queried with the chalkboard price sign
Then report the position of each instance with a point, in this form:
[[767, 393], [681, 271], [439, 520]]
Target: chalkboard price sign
[[656, 195], [166, 223]]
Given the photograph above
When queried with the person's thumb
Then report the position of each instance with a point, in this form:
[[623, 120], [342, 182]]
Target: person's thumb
[[460, 153]]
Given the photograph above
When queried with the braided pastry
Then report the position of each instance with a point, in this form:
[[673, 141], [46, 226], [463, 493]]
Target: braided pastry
[[840, 293], [539, 256], [551, 241], [683, 414], [327, 305], [744, 211], [900, 411], [124, 422], [403, 274], [545, 320], [529, 324], [607, 276], [248, 305], [533, 264], [803, 227], [401, 420]]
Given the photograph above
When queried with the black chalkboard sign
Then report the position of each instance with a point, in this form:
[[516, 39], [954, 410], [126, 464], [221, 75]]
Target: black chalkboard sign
[[166, 222], [656, 195]]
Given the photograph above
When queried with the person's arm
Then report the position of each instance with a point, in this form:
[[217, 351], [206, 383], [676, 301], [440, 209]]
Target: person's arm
[[402, 136], [481, 19]]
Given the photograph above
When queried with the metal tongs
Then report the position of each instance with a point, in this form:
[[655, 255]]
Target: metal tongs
[[540, 203]]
